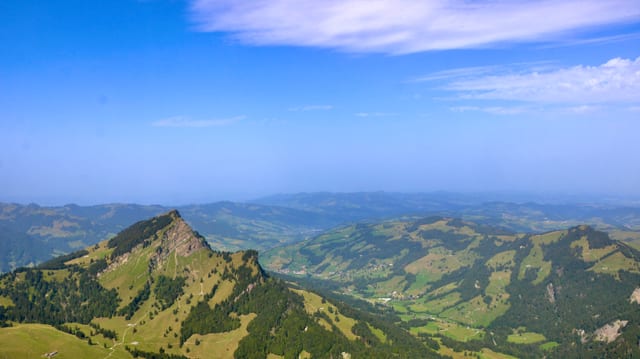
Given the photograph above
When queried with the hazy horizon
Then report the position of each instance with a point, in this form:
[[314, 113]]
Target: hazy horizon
[[545, 198], [197, 101]]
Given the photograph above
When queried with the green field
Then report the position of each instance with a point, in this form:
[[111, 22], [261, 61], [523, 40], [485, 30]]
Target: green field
[[475, 312], [535, 259], [432, 327], [438, 262], [378, 333], [35, 340], [5, 302], [487, 353], [526, 338], [548, 345], [313, 303], [590, 254], [548, 238], [422, 281], [130, 276], [498, 282], [484, 353], [217, 345], [383, 289], [632, 238], [504, 259], [442, 290], [452, 330], [615, 263], [437, 305]]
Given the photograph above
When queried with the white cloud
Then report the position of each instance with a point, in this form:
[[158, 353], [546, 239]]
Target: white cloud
[[616, 81], [311, 108], [406, 26], [181, 121]]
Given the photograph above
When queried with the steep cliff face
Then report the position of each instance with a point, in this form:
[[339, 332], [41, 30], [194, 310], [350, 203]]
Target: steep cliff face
[[177, 238]]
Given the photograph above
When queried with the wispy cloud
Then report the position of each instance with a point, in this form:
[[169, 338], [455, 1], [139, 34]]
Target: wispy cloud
[[510, 110], [311, 108], [616, 81], [457, 73], [596, 40], [493, 110], [475, 71], [376, 114], [584, 109], [182, 121], [406, 26]]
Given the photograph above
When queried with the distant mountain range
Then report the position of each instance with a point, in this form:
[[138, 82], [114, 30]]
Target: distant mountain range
[[30, 234], [526, 216]]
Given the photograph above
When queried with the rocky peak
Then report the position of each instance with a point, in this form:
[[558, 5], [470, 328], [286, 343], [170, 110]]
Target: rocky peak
[[167, 234], [180, 237], [174, 214]]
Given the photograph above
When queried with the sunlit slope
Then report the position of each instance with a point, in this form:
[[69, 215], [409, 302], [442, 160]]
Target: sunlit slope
[[37, 340], [394, 254], [157, 289], [475, 284]]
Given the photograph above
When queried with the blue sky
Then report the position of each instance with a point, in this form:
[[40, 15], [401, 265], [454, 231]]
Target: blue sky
[[170, 101]]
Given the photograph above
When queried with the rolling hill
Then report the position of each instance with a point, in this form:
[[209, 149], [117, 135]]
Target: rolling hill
[[566, 293], [158, 290], [512, 212], [30, 234]]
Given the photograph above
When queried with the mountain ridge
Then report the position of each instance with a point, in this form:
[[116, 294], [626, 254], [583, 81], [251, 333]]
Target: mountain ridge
[[158, 290], [31, 234]]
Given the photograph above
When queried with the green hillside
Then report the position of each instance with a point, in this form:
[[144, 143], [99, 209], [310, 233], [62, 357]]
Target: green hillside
[[157, 290], [476, 287], [37, 340]]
